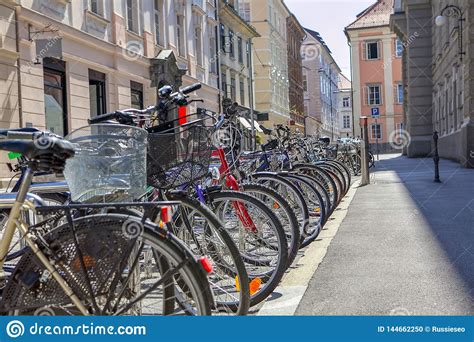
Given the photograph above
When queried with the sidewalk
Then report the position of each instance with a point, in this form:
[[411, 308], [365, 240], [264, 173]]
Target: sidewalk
[[406, 246]]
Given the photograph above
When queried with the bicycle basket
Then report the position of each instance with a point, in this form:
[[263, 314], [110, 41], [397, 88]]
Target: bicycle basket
[[109, 164], [179, 156]]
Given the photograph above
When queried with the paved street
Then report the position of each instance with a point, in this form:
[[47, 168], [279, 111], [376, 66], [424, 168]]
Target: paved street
[[406, 246]]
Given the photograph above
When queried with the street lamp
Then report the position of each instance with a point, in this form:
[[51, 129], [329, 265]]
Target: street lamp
[[453, 11]]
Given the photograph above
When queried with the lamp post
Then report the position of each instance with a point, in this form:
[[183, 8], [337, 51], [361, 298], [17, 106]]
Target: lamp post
[[453, 11]]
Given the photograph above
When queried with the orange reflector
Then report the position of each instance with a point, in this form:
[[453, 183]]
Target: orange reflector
[[237, 283], [276, 205], [206, 264], [88, 262], [166, 214], [162, 224], [255, 285], [317, 210]]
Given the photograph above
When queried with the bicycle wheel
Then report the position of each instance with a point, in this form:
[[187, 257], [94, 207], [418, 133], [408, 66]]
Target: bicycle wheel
[[116, 265], [199, 228], [314, 201], [282, 208], [324, 178], [259, 236], [291, 192]]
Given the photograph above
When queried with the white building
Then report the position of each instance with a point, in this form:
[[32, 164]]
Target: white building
[[345, 107]]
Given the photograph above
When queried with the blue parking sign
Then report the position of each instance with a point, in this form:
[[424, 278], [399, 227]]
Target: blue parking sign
[[376, 112]]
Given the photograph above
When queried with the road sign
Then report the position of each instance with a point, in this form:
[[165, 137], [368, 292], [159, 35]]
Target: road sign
[[375, 112]]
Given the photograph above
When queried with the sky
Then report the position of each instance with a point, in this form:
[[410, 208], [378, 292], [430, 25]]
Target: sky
[[329, 17]]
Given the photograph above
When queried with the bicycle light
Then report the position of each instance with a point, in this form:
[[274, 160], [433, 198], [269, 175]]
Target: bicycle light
[[206, 265], [165, 214]]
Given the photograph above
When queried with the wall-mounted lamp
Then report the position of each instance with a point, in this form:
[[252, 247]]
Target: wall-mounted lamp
[[452, 11]]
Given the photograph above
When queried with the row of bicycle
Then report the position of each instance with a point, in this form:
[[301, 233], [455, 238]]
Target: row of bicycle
[[157, 216]]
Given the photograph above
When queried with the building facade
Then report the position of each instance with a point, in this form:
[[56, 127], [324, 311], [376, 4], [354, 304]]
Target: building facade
[[376, 55], [346, 127], [438, 69], [295, 36], [321, 82], [65, 61], [270, 59]]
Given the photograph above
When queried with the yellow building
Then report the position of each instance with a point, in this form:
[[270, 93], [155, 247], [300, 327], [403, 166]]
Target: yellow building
[[270, 60]]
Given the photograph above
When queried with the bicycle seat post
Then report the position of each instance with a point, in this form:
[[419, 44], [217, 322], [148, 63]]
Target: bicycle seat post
[[13, 217]]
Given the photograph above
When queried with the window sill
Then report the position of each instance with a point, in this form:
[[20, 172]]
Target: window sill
[[134, 34], [97, 17]]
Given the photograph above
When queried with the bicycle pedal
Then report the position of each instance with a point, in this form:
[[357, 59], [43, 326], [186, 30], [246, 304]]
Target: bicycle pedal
[[28, 280]]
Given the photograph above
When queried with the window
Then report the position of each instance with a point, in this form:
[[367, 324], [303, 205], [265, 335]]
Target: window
[[305, 82], [400, 95], [198, 44], [224, 83], [232, 88], [159, 20], [346, 122], [248, 51], [374, 95], [376, 132], [97, 94], [212, 51], [242, 92], [231, 43], [244, 10], [136, 91], [180, 35], [372, 50], [222, 37], [398, 48], [55, 96], [133, 16], [240, 49], [400, 128], [97, 7], [346, 102]]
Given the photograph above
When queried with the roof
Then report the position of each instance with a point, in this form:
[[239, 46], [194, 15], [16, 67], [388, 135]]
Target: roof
[[375, 15], [344, 82], [318, 37]]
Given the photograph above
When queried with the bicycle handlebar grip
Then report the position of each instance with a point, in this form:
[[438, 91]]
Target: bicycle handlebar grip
[[191, 88], [102, 118]]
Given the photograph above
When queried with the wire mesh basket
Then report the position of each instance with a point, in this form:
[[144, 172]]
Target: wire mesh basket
[[109, 164], [179, 156]]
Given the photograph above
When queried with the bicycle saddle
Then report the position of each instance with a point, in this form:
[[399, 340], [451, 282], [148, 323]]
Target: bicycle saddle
[[46, 152]]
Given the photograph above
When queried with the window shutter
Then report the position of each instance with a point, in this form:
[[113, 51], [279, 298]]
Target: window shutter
[[379, 50], [395, 94], [364, 50], [381, 94], [366, 95]]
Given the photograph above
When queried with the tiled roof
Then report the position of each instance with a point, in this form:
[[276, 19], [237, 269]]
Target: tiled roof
[[318, 37], [376, 15]]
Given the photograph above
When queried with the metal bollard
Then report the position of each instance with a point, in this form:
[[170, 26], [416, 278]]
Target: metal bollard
[[436, 157], [364, 153]]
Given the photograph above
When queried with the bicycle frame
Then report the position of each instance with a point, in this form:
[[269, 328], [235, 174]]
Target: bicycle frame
[[231, 183], [15, 222]]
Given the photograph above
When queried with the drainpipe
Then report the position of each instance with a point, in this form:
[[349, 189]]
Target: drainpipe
[[18, 66], [218, 59], [251, 97], [352, 92]]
